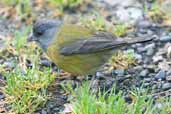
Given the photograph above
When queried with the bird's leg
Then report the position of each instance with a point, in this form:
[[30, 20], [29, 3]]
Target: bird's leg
[[64, 75]]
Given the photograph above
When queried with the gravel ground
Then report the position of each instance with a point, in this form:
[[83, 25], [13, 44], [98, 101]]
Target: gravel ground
[[153, 69]]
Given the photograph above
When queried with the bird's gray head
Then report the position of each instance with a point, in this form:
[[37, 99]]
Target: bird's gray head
[[44, 32]]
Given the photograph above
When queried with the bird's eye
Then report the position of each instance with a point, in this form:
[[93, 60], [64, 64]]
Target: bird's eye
[[39, 33]]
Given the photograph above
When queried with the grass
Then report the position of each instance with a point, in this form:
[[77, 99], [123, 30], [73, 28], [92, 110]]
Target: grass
[[20, 9], [158, 14], [122, 60], [25, 88], [112, 102], [98, 23], [25, 92], [120, 29], [66, 3]]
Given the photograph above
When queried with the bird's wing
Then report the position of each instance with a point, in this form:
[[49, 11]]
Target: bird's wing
[[91, 45]]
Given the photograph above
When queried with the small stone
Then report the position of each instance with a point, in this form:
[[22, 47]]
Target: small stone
[[138, 56], [144, 73], [143, 24], [9, 64], [46, 63], [146, 84], [1, 96], [150, 52], [147, 60], [165, 38], [160, 75], [150, 46], [43, 112], [119, 72], [147, 80], [166, 86], [141, 49], [168, 78], [164, 66], [157, 58], [138, 68], [151, 68]]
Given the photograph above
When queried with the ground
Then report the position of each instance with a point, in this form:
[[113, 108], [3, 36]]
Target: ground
[[139, 74]]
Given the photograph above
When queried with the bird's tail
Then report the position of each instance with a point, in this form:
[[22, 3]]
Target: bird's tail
[[138, 40]]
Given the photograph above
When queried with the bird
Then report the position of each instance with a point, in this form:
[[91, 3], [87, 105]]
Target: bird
[[77, 49]]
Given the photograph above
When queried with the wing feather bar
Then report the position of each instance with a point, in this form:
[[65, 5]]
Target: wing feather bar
[[91, 45]]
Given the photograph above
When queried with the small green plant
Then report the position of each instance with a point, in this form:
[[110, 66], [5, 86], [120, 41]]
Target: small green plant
[[20, 38], [156, 13], [21, 7], [97, 23], [66, 3], [120, 29], [25, 92], [110, 102], [122, 60]]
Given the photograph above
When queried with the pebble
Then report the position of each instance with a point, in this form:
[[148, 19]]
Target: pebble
[[166, 86], [157, 58], [1, 96], [9, 64], [147, 80], [160, 75], [143, 24], [43, 112], [150, 46], [144, 73], [168, 78], [119, 72], [46, 63], [165, 38], [138, 56], [141, 49], [150, 52], [151, 68]]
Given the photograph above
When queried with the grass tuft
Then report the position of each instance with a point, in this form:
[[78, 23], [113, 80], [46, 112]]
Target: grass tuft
[[86, 102], [111, 102], [25, 92], [122, 60]]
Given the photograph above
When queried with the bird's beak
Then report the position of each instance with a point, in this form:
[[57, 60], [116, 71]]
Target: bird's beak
[[31, 37]]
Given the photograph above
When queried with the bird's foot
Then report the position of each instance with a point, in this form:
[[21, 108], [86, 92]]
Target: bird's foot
[[65, 75]]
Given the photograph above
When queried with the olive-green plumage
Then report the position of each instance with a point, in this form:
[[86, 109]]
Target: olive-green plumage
[[76, 49], [79, 64]]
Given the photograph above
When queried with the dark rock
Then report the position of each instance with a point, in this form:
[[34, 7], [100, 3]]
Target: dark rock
[[128, 99], [46, 63], [166, 86], [160, 75]]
